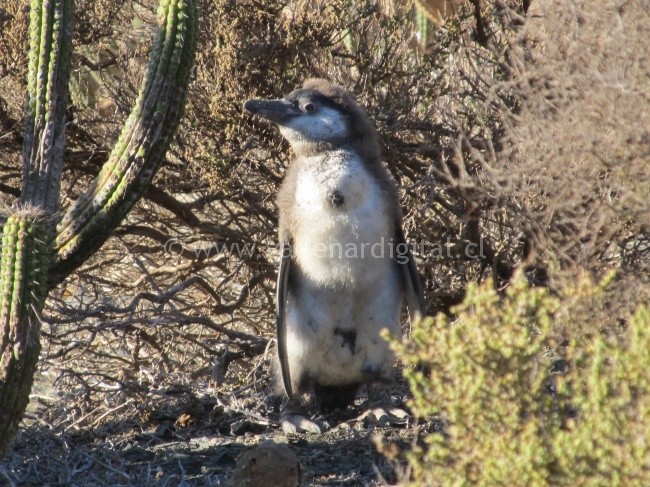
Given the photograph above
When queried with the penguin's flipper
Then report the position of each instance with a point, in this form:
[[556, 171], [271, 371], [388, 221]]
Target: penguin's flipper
[[280, 313], [409, 274]]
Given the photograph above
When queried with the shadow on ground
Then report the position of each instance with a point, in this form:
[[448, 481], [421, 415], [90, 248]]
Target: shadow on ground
[[192, 441]]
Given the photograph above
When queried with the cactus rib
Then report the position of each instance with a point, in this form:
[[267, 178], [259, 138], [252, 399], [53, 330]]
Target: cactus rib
[[142, 144]]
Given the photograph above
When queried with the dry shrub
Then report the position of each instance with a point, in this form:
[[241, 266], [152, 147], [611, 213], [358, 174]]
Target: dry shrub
[[547, 385], [14, 23], [578, 144], [517, 408]]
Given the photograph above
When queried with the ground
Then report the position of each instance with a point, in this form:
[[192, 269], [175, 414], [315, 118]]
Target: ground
[[190, 438]]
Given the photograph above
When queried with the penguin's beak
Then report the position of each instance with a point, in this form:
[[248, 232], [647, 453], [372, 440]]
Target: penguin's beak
[[277, 111]]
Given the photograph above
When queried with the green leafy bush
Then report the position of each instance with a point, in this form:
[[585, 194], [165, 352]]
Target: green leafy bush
[[521, 405]]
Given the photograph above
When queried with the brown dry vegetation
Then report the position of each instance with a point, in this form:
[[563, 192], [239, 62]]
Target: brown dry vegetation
[[526, 133]]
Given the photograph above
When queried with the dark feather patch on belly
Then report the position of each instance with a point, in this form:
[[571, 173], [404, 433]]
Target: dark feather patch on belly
[[349, 338], [337, 199]]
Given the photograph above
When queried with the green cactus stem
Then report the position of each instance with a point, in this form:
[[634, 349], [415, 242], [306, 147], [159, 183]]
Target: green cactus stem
[[140, 150], [23, 288], [47, 94], [422, 24], [29, 229]]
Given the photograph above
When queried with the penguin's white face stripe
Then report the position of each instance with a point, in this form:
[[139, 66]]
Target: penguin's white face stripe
[[323, 125]]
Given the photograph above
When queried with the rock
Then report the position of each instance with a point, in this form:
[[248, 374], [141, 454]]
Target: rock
[[268, 464]]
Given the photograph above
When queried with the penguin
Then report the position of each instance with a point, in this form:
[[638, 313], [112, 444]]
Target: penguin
[[345, 268]]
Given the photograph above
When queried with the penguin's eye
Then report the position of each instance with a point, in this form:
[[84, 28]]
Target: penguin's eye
[[309, 107]]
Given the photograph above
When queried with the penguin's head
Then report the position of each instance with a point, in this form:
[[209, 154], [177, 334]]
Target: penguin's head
[[320, 112]]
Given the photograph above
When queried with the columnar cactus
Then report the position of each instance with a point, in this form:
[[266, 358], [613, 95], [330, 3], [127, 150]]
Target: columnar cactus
[[29, 229], [38, 250], [25, 254]]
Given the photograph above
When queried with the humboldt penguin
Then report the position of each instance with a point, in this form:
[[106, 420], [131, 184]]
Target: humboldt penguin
[[345, 267]]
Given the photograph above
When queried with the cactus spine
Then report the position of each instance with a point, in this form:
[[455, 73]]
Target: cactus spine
[[37, 253]]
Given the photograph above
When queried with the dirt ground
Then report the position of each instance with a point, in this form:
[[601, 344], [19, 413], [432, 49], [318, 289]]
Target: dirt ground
[[185, 436]]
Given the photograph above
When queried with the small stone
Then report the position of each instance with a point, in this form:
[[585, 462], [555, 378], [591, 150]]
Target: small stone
[[269, 464]]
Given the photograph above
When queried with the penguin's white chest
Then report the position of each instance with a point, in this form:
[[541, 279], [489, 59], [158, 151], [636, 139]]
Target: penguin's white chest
[[343, 227]]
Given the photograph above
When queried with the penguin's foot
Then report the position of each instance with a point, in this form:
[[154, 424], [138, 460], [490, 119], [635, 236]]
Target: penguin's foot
[[293, 420], [381, 415], [380, 408]]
